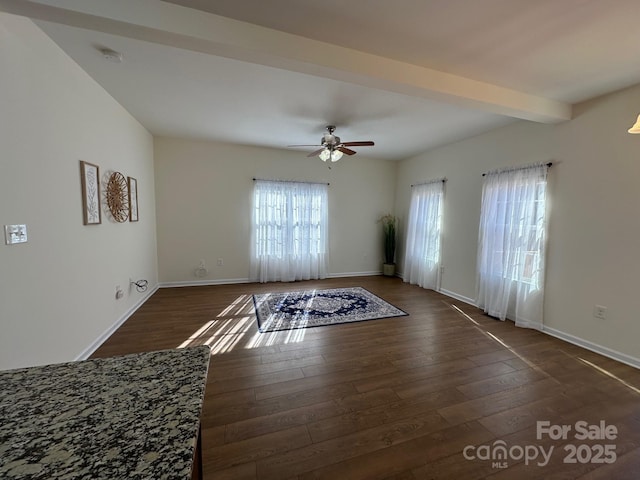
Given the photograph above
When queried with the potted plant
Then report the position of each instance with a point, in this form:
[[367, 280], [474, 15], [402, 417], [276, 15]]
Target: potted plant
[[389, 236]]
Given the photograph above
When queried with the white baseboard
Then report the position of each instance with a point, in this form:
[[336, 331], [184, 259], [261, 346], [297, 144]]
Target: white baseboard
[[231, 281], [594, 347], [201, 283], [457, 296], [86, 353], [354, 274], [448, 293]]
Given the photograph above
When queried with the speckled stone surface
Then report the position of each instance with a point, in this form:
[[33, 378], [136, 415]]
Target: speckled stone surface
[[130, 417]]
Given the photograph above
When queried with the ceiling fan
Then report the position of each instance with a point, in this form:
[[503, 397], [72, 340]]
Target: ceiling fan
[[332, 148]]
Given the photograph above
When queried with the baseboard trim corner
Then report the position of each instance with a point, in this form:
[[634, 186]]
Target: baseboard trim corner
[[457, 296], [87, 352]]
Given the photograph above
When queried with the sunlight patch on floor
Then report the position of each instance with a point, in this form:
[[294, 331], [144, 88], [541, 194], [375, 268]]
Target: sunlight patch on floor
[[278, 337], [610, 375], [239, 304], [530, 364], [262, 340], [534, 366], [221, 343], [462, 313], [497, 339], [232, 327], [201, 331], [296, 335]]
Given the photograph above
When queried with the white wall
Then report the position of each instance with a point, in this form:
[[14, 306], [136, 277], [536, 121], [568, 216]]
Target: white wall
[[57, 292], [594, 228], [203, 195]]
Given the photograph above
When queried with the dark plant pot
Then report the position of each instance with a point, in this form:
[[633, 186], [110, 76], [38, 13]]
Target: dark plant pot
[[389, 269]]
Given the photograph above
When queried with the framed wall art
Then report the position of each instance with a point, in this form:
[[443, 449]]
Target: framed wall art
[[118, 197], [90, 179], [133, 199]]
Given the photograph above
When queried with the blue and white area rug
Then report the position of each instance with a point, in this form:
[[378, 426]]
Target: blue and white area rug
[[315, 308]]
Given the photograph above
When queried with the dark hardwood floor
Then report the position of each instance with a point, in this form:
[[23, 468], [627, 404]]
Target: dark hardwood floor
[[396, 398]]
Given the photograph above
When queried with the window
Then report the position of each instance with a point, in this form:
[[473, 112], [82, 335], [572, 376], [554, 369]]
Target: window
[[520, 217], [422, 252], [289, 232], [511, 245]]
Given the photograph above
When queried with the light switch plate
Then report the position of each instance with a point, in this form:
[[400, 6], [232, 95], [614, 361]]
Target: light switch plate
[[15, 234]]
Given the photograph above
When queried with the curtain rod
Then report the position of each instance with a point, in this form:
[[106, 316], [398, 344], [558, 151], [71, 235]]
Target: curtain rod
[[289, 181], [549, 164], [443, 179]]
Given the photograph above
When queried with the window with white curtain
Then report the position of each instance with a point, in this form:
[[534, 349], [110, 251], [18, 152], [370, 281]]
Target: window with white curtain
[[289, 231], [511, 245], [422, 251]]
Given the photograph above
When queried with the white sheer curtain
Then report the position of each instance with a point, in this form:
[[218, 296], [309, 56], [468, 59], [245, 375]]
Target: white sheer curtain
[[289, 231], [511, 245], [422, 251]]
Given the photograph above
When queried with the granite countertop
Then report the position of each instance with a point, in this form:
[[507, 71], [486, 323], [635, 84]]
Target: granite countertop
[[129, 417]]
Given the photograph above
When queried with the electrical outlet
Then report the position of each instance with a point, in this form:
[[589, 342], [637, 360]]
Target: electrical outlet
[[119, 292], [600, 312], [220, 262]]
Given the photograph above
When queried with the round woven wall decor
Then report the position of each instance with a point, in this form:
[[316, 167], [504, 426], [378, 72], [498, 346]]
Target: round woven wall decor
[[118, 197]]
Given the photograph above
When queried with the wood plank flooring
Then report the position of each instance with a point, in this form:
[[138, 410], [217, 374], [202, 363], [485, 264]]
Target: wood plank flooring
[[396, 398]]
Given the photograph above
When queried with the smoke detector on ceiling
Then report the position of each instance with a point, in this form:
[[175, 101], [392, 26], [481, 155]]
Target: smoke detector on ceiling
[[111, 55]]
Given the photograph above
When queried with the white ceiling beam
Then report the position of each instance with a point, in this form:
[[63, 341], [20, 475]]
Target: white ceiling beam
[[177, 26]]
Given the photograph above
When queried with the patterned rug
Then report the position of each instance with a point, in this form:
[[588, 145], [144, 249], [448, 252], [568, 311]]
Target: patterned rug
[[316, 308]]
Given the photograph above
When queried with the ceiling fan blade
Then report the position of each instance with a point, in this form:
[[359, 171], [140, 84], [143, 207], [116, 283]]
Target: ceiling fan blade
[[346, 150], [314, 145], [368, 143], [317, 152]]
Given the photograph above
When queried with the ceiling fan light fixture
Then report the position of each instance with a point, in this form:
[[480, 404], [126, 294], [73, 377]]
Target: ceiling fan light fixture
[[636, 126], [325, 155], [332, 148]]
